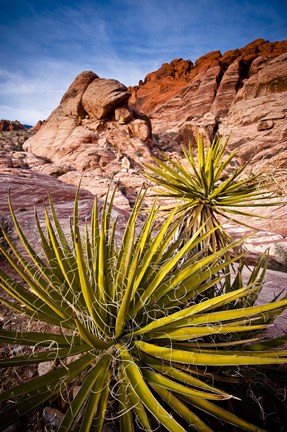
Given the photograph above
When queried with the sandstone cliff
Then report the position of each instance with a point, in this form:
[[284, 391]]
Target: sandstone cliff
[[242, 92], [95, 136]]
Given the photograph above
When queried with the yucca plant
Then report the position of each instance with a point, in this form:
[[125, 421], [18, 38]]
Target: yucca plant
[[127, 327], [210, 191]]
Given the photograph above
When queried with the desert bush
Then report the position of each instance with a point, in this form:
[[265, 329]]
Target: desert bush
[[135, 331], [211, 190]]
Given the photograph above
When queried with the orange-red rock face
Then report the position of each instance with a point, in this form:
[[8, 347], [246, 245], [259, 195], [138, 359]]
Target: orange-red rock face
[[180, 91], [242, 93]]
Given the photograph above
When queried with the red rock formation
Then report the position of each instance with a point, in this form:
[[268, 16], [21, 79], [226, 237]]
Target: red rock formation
[[94, 130], [7, 125], [90, 135], [38, 125], [180, 91], [256, 119]]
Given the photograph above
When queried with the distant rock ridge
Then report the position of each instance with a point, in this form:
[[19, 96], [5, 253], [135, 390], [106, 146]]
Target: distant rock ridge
[[8, 125]]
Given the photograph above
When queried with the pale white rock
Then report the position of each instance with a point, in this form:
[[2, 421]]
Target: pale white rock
[[125, 163], [45, 367], [102, 142], [72, 358], [50, 139], [19, 159], [123, 115], [17, 350], [53, 169], [89, 158], [91, 180], [98, 185], [34, 162], [140, 129], [275, 283], [94, 125]]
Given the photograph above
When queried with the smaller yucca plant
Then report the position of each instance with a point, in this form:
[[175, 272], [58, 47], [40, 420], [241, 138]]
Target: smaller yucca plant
[[126, 315], [210, 191]]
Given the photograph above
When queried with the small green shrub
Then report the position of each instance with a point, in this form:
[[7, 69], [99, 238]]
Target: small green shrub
[[141, 339]]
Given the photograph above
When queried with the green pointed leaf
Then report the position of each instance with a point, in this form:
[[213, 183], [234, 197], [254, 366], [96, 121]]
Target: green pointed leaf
[[211, 359], [192, 419], [39, 357], [184, 376], [132, 272], [161, 380], [126, 419], [138, 409], [90, 381], [188, 312], [188, 333], [53, 379], [134, 377], [100, 400], [220, 413]]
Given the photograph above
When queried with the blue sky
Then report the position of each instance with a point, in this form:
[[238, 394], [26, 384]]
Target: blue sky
[[44, 44]]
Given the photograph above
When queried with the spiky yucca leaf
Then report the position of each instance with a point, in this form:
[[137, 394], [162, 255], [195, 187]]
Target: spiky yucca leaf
[[133, 322], [209, 190]]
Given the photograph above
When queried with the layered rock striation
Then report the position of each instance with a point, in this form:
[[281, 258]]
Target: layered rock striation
[[242, 92]]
